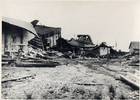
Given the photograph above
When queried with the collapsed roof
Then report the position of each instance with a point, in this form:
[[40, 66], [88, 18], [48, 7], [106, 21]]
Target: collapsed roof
[[21, 24], [47, 31], [76, 43]]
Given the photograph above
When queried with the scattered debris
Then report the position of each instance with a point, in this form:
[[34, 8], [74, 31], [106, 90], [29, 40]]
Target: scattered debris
[[132, 79], [18, 79], [37, 64], [88, 84]]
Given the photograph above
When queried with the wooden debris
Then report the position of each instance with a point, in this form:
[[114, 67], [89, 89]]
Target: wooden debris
[[35, 62], [89, 84], [22, 78], [131, 79]]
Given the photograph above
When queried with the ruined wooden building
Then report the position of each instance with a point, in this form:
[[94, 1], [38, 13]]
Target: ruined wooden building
[[103, 50], [134, 47], [82, 44], [15, 36], [48, 37]]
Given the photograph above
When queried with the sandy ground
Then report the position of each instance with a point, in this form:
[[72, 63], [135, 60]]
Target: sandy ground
[[74, 79]]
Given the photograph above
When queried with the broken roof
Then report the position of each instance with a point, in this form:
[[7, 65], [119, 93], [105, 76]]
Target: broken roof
[[47, 31], [76, 43], [134, 45], [103, 44], [73, 42], [22, 24]]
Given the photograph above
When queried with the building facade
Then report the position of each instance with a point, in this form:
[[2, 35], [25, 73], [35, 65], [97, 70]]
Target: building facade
[[15, 36]]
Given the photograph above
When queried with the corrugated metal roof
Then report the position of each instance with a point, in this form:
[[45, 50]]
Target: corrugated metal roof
[[134, 45], [22, 24]]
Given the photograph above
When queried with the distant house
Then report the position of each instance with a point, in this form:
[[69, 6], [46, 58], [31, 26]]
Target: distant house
[[103, 50], [47, 37], [134, 47], [15, 35], [78, 46], [72, 45]]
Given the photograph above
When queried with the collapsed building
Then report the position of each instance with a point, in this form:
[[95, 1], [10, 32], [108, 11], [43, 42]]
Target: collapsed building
[[87, 49], [134, 47], [85, 39], [15, 36], [79, 46], [103, 50], [48, 37], [18, 35], [18, 47]]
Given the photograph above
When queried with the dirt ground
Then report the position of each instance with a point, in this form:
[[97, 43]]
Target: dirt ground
[[73, 79]]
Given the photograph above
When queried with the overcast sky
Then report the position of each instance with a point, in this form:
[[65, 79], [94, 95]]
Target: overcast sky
[[104, 20]]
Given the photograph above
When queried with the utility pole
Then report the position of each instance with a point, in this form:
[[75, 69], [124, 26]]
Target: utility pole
[[115, 45]]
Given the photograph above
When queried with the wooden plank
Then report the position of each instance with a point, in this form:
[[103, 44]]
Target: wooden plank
[[10, 80], [129, 81], [89, 84]]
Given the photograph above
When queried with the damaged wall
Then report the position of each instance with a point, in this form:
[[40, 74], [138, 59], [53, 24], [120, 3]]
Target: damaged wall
[[13, 37], [104, 51], [48, 35]]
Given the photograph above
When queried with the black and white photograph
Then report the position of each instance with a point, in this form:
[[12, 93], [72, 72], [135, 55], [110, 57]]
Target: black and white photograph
[[70, 49]]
